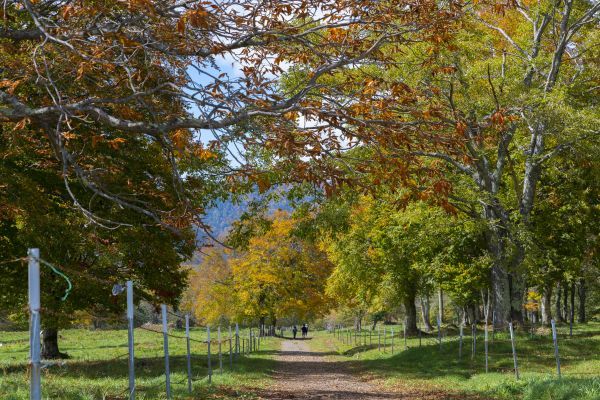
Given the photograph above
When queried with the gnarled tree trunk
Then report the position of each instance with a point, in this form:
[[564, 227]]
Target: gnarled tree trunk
[[411, 314], [546, 305], [425, 311]]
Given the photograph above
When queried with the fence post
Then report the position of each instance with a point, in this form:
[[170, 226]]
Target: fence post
[[420, 334], [35, 390], [237, 340], [514, 350], [220, 354], [555, 340], [405, 346], [384, 339], [189, 357], [473, 341], [379, 338], [485, 345], [130, 342], [460, 342], [230, 348], [208, 354], [439, 331], [166, 350], [392, 340]]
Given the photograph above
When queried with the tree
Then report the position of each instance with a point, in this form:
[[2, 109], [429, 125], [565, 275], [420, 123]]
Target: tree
[[492, 99], [278, 275]]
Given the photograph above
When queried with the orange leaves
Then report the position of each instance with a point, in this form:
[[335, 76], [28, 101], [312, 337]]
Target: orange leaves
[[198, 18], [180, 138], [336, 34], [116, 142], [461, 127], [10, 86]]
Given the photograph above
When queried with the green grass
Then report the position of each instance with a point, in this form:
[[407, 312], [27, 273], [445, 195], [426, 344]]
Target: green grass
[[98, 368], [430, 366]]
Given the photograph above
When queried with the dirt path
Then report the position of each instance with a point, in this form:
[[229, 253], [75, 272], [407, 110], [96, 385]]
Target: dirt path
[[305, 374]]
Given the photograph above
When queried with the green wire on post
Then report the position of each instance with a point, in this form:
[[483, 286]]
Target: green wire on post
[[62, 275]]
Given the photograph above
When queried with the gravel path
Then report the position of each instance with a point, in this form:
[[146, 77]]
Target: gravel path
[[305, 374]]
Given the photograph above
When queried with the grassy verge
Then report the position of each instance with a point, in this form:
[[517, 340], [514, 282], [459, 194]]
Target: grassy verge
[[98, 368], [430, 365]]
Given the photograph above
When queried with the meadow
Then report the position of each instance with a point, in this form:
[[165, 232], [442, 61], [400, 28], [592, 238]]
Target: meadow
[[435, 366], [97, 367]]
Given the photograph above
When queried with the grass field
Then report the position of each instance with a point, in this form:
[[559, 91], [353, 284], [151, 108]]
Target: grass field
[[98, 369], [430, 365]]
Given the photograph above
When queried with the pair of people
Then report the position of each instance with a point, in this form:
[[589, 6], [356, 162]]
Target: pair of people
[[304, 330]]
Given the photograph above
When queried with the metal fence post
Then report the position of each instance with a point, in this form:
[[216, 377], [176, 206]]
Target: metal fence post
[[230, 348], [514, 350], [130, 341], [485, 341], [220, 353], [189, 356], [208, 354], [473, 341], [555, 340], [166, 350], [439, 329], [460, 342], [35, 390], [392, 340], [237, 340]]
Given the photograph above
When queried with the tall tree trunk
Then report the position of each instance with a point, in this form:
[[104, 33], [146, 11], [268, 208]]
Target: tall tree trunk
[[546, 305], [261, 328], [50, 344], [558, 303], [441, 305], [425, 311], [411, 314], [582, 295]]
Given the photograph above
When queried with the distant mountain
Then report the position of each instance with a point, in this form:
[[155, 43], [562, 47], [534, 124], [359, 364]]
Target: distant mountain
[[225, 213]]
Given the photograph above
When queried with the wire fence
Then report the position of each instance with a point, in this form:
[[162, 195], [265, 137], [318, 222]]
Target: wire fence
[[210, 351], [488, 348]]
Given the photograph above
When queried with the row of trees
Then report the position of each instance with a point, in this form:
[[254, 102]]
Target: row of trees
[[274, 276]]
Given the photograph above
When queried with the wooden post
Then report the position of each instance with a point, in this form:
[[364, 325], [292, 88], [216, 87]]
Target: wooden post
[[35, 345], [555, 340], [514, 350], [166, 350]]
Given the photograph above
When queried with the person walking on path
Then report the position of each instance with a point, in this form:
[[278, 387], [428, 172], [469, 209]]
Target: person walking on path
[[304, 330], [295, 331]]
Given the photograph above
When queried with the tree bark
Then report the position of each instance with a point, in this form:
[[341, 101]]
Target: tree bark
[[572, 314], [411, 314], [425, 311], [50, 344], [582, 296], [546, 305]]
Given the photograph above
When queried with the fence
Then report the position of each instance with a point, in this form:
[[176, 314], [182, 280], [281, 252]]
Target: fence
[[499, 342], [218, 348]]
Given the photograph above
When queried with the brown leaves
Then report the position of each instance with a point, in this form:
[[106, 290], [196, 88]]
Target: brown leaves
[[9, 85]]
